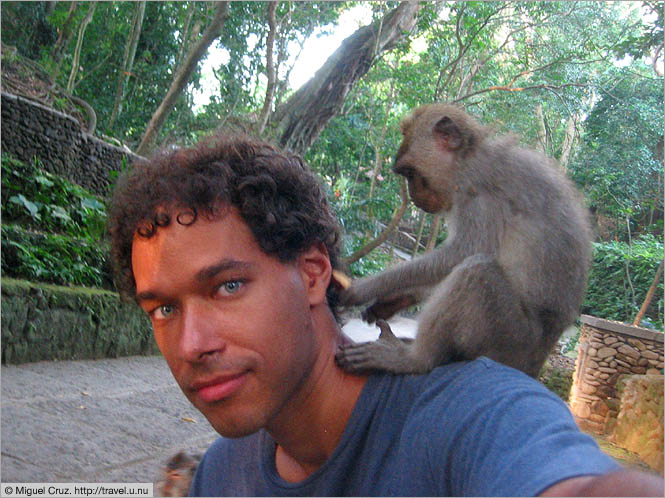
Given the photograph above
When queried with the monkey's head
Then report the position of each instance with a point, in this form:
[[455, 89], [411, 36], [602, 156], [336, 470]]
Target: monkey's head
[[177, 476], [436, 138]]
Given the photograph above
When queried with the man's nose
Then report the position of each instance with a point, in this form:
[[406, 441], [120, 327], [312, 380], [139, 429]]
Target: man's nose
[[201, 334]]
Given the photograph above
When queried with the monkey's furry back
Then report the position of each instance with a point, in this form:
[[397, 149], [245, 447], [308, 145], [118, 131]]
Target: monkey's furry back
[[546, 237]]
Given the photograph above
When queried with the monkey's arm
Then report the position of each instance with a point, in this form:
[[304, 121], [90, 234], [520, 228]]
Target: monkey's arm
[[475, 226], [410, 279]]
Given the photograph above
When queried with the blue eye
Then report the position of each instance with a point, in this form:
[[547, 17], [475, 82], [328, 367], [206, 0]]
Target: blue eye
[[163, 311], [232, 286]]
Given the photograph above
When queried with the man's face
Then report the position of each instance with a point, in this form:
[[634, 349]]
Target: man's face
[[233, 323]]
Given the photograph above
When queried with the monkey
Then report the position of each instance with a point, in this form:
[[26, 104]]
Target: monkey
[[177, 475], [510, 275]]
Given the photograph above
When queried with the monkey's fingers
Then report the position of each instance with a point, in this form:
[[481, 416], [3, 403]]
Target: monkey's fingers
[[386, 332], [340, 280], [368, 315]]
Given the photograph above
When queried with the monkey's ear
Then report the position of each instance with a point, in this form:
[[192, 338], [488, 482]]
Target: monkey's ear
[[449, 132]]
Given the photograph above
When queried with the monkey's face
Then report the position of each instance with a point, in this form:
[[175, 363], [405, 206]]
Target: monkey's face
[[421, 192], [427, 157], [233, 323], [427, 187]]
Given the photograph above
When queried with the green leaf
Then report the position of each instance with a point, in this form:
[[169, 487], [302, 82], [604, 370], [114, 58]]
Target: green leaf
[[32, 208], [42, 180]]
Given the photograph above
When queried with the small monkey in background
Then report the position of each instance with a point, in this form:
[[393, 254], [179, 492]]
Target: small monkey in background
[[177, 476], [511, 274]]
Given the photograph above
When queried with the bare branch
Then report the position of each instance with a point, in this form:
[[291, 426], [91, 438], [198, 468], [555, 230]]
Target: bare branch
[[518, 89]]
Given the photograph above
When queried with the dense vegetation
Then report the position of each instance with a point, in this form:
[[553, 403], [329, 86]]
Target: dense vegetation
[[583, 81]]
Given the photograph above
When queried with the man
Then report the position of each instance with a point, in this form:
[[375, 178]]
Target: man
[[229, 247]]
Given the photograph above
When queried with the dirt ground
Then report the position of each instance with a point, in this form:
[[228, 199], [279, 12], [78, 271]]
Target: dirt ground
[[621, 455]]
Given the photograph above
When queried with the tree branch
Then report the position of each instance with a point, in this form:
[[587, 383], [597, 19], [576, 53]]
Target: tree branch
[[517, 89], [383, 236]]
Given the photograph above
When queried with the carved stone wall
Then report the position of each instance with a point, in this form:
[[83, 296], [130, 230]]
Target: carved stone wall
[[30, 130]]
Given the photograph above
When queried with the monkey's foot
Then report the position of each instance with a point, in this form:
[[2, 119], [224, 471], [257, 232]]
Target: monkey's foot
[[388, 353]]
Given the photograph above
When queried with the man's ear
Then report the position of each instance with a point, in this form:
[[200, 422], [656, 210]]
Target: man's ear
[[316, 272]]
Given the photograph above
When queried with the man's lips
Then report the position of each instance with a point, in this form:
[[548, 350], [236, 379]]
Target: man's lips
[[219, 387]]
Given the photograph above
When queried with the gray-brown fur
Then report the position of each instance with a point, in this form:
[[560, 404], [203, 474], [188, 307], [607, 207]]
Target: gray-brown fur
[[511, 274], [177, 475]]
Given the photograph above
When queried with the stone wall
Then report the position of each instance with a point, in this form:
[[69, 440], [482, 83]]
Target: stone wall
[[606, 351], [639, 425], [610, 355], [43, 322], [30, 129]]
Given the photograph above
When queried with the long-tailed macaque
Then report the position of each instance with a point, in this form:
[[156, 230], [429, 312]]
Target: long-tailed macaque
[[511, 274], [177, 475]]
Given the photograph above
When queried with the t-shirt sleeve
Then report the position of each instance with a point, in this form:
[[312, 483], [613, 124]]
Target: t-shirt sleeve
[[501, 433]]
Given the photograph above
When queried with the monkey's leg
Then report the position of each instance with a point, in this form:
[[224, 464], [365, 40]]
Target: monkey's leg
[[387, 353], [476, 311]]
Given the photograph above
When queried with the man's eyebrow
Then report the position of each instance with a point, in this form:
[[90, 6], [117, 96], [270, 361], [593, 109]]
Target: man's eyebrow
[[225, 265], [145, 296], [202, 275]]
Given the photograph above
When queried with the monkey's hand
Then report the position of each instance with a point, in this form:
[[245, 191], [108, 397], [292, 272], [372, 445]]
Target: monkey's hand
[[387, 307], [381, 354]]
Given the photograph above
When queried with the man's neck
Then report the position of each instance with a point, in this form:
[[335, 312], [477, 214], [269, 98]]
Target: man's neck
[[308, 430]]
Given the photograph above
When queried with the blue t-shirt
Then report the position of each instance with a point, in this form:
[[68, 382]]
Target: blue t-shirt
[[465, 429]]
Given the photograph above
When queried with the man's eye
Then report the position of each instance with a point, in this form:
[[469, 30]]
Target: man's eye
[[163, 312], [230, 287]]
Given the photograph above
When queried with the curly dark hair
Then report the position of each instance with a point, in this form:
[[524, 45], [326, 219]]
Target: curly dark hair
[[277, 195]]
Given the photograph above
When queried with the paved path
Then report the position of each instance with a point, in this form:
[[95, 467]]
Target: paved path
[[114, 420]]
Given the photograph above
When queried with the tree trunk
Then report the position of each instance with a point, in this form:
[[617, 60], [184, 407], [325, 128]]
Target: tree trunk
[[185, 36], [542, 129], [649, 297], [378, 156], [182, 76], [270, 67], [568, 142], [383, 236], [89, 111], [79, 44], [421, 227], [434, 233], [63, 39], [128, 60], [308, 111]]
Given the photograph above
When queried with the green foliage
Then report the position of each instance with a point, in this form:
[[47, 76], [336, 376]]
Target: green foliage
[[620, 278], [502, 60], [57, 259], [620, 164], [39, 199], [56, 228], [24, 25]]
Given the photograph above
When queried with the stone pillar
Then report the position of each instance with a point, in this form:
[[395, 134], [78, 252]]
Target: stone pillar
[[608, 350], [639, 426]]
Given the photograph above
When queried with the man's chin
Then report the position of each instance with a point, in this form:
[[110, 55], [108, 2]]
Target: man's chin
[[232, 430], [232, 423]]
